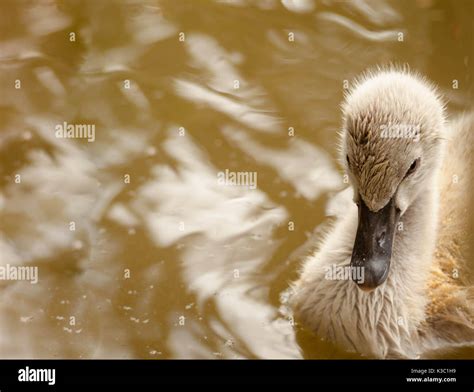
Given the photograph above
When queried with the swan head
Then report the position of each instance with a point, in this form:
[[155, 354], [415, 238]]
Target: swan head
[[392, 136]]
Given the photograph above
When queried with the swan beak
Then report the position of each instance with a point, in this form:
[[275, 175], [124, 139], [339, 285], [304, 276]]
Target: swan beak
[[373, 244]]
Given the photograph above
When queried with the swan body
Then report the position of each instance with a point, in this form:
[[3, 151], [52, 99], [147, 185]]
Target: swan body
[[417, 297]]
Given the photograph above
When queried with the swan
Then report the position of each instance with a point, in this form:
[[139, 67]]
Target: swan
[[410, 173]]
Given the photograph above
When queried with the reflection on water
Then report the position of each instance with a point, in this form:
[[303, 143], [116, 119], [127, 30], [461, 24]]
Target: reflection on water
[[141, 251]]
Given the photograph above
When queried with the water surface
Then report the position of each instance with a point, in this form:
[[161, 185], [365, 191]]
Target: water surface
[[163, 261]]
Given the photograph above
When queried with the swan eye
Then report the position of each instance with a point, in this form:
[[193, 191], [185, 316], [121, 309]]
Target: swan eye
[[413, 167]]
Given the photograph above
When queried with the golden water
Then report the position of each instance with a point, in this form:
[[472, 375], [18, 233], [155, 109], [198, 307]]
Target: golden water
[[141, 252]]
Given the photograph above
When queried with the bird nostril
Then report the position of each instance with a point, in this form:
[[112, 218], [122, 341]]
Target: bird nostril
[[381, 238]]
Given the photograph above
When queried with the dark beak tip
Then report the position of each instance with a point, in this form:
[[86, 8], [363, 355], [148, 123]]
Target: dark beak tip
[[374, 275], [366, 288]]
